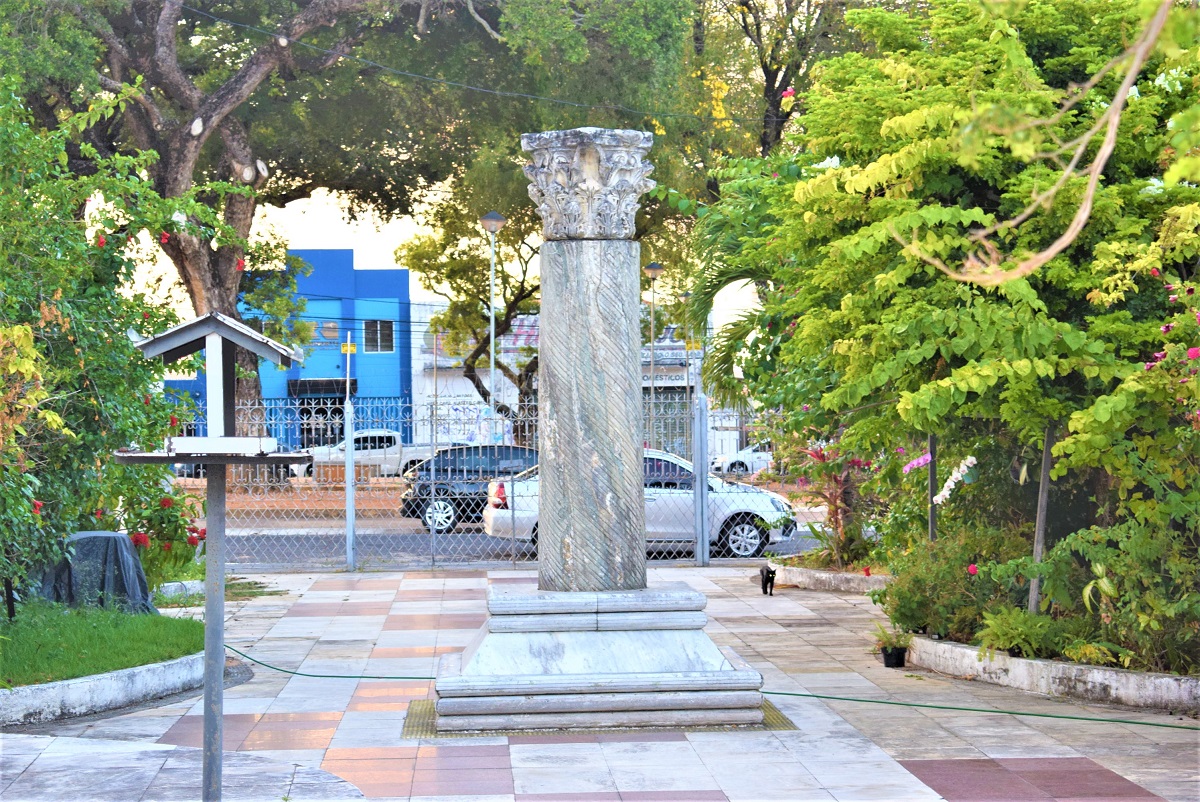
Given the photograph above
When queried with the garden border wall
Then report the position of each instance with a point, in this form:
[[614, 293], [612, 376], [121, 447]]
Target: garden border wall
[[836, 581], [1053, 678], [29, 704]]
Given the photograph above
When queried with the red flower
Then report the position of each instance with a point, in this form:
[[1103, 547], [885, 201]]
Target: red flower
[[146, 400], [166, 545], [145, 315], [789, 92], [99, 514], [37, 507], [192, 530], [1154, 271], [140, 539], [202, 534], [167, 503], [241, 264], [101, 241], [1194, 353], [163, 237], [193, 541], [174, 421], [867, 571], [972, 569]]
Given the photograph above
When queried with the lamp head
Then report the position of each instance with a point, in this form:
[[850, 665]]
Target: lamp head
[[492, 222], [653, 270]]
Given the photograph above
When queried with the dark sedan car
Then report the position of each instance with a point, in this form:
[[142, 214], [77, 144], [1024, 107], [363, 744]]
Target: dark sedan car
[[452, 486]]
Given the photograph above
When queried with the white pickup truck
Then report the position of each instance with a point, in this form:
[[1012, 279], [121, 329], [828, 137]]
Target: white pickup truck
[[381, 448]]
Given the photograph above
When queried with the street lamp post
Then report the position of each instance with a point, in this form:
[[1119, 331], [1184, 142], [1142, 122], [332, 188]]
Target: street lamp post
[[653, 271], [492, 222], [684, 297]]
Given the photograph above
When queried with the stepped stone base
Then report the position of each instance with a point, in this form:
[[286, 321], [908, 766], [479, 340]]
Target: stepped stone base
[[636, 658]]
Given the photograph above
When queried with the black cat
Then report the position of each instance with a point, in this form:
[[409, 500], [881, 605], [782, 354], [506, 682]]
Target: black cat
[[767, 575]]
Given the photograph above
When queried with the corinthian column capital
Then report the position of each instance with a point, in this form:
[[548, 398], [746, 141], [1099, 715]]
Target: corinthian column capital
[[586, 182]]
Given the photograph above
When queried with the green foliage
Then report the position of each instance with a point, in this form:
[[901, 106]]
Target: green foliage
[[910, 146], [1013, 630], [891, 638], [48, 642], [933, 590], [75, 388]]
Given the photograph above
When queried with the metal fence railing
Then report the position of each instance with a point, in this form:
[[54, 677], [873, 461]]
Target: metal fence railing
[[454, 484]]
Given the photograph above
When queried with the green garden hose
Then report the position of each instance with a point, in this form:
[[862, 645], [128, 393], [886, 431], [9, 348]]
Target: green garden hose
[[785, 693]]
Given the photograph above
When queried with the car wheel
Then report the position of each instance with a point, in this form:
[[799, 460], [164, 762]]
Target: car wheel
[[744, 537], [308, 469], [738, 468], [533, 537], [440, 514]]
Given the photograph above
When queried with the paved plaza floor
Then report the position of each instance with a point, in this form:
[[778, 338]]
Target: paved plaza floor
[[308, 726]]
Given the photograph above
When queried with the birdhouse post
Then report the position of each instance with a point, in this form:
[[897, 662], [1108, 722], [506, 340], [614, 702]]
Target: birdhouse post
[[217, 335]]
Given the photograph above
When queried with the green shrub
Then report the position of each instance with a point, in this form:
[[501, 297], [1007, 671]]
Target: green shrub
[[933, 589], [1016, 631]]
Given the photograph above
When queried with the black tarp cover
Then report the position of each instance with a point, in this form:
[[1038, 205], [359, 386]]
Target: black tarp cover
[[104, 569]]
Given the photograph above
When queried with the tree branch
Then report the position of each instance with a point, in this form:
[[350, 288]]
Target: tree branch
[[983, 267]]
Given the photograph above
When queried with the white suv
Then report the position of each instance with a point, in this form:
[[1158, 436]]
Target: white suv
[[742, 519], [749, 460]]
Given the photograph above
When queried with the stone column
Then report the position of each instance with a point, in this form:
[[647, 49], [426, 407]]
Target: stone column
[[586, 183]]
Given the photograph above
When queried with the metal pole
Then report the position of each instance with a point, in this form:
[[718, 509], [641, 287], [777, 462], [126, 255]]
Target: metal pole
[[653, 439], [1039, 527], [492, 338], [933, 488], [700, 477], [214, 629], [433, 416], [350, 483]]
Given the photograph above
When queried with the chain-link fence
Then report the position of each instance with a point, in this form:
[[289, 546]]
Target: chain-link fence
[[455, 484]]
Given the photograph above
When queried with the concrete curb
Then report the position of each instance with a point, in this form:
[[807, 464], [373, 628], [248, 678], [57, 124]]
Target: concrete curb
[[1054, 678], [30, 704], [812, 579]]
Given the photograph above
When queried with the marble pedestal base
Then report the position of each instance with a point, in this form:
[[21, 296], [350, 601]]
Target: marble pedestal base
[[632, 658]]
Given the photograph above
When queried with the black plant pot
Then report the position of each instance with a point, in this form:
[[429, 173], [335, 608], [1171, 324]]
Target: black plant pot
[[893, 656]]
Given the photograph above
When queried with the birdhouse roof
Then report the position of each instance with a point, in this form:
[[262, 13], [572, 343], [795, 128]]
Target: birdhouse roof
[[188, 338]]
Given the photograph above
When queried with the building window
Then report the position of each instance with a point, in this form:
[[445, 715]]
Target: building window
[[379, 337]]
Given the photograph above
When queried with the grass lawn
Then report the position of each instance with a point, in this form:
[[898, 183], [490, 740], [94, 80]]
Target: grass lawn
[[48, 642]]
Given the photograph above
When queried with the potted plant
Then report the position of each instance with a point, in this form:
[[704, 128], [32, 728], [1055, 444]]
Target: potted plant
[[893, 645]]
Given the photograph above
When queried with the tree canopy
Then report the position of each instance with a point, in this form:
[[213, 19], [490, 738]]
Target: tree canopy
[[898, 159]]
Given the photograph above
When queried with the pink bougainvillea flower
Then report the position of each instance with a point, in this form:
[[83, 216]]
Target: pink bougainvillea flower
[[1193, 353], [1150, 365], [789, 92], [1190, 290], [1159, 356], [1166, 328], [1168, 287], [972, 569], [166, 503], [899, 449], [37, 507], [1172, 298], [1154, 271], [804, 407]]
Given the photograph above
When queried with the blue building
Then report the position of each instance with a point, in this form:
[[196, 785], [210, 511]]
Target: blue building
[[304, 402]]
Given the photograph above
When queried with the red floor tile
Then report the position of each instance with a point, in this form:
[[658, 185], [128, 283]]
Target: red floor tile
[[1024, 779]]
